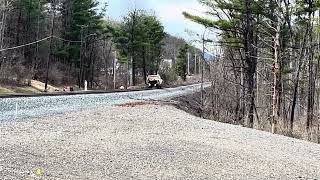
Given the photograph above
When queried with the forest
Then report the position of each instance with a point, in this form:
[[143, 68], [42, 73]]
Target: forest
[[268, 76], [67, 42]]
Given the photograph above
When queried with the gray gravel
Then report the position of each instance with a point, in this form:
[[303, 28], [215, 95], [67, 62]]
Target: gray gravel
[[149, 142], [13, 109]]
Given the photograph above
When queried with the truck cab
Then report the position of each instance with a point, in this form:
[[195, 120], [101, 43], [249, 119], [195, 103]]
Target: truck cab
[[154, 81]]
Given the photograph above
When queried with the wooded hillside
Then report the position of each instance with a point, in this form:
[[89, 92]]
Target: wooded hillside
[[268, 77]]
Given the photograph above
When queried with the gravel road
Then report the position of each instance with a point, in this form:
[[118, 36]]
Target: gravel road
[[148, 142], [13, 109]]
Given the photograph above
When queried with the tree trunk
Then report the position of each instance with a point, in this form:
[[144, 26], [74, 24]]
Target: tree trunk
[[311, 87], [296, 80], [50, 46], [4, 16], [250, 62], [18, 28], [276, 73]]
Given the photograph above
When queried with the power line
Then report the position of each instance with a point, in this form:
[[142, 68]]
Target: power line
[[24, 45], [38, 41], [66, 39]]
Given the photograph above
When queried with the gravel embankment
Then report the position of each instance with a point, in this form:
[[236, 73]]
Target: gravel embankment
[[149, 142], [13, 109]]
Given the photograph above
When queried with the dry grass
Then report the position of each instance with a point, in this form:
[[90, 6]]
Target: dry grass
[[40, 86], [140, 103], [149, 102], [15, 89], [4, 90], [32, 86]]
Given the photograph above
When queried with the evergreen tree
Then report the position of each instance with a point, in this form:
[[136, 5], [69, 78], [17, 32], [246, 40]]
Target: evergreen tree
[[181, 66], [80, 22], [139, 39], [127, 40], [151, 50]]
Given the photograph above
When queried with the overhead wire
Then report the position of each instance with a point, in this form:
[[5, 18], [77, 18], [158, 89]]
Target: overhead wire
[[38, 41], [24, 45], [66, 40]]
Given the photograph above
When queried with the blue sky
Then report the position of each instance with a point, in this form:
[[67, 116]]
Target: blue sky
[[168, 11]]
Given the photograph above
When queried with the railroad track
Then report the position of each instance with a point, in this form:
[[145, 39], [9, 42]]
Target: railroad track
[[15, 95], [23, 106], [60, 93]]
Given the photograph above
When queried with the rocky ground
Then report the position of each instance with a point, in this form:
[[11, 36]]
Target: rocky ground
[[147, 141]]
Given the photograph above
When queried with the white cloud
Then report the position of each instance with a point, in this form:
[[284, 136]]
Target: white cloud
[[170, 11]]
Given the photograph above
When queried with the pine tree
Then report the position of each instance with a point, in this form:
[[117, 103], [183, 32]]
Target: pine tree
[[80, 21], [139, 39], [151, 50], [181, 65]]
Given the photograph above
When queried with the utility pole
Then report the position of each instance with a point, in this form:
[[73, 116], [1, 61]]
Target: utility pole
[[80, 53], [188, 66], [174, 60], [132, 71], [132, 80], [127, 73], [202, 70], [82, 41], [114, 69], [199, 64], [195, 63], [202, 77], [51, 44]]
